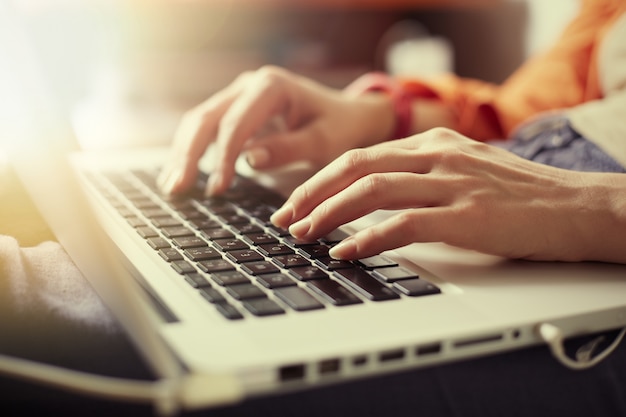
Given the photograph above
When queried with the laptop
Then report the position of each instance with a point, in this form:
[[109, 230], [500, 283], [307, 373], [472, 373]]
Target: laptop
[[226, 307]]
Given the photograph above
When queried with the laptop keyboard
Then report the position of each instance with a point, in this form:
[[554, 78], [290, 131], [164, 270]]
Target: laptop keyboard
[[226, 248]]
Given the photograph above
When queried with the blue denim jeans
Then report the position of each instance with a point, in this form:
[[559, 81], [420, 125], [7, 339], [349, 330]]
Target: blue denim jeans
[[553, 141]]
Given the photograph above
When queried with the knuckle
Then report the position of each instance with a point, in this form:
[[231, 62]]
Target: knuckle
[[269, 75], [408, 222], [443, 133], [301, 194], [369, 237], [354, 160], [373, 185]]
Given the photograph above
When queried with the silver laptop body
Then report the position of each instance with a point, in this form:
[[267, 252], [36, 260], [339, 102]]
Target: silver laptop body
[[483, 305]]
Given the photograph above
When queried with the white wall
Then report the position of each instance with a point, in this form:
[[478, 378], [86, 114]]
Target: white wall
[[546, 20]]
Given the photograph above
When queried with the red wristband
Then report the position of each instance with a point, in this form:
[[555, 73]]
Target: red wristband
[[401, 100]]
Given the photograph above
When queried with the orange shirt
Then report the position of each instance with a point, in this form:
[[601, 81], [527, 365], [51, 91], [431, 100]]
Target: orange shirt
[[564, 76]]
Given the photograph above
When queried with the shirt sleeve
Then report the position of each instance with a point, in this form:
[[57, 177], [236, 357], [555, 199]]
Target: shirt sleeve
[[563, 76]]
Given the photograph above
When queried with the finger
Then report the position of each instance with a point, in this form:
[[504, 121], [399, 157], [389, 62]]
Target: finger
[[429, 224], [391, 191], [337, 176], [264, 98], [196, 131]]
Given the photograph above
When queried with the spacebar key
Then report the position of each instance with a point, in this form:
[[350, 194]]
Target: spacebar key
[[298, 299], [366, 284], [334, 292]]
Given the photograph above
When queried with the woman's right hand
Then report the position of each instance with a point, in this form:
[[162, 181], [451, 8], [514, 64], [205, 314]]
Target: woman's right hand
[[317, 125]]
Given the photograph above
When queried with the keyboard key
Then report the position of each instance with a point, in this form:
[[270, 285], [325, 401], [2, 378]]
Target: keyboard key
[[217, 205], [298, 299], [146, 232], [183, 267], [366, 285], [297, 243], [290, 261], [275, 249], [394, 274], [226, 278], [416, 287], [331, 264], [177, 231], [260, 239], [378, 261], [202, 254], [152, 213], [275, 281], [334, 292], [234, 219], [215, 265], [228, 311], [246, 255], [212, 295], [136, 222], [259, 268], [197, 280], [170, 254], [278, 231], [262, 213], [263, 307], [307, 273], [202, 224], [191, 214], [248, 203], [315, 251], [230, 244], [245, 291], [157, 243], [186, 242], [180, 203], [161, 222], [214, 234], [144, 203], [246, 229]]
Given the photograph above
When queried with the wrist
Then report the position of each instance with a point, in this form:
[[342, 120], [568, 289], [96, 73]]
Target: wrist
[[398, 99]]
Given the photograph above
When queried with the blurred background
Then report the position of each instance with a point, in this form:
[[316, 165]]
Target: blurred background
[[126, 70]]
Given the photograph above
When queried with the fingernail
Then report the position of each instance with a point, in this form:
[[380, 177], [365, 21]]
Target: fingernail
[[282, 217], [257, 157], [301, 228], [344, 250]]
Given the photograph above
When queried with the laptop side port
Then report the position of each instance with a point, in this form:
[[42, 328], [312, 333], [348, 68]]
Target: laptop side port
[[292, 373], [329, 367], [478, 340], [428, 349], [392, 355]]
